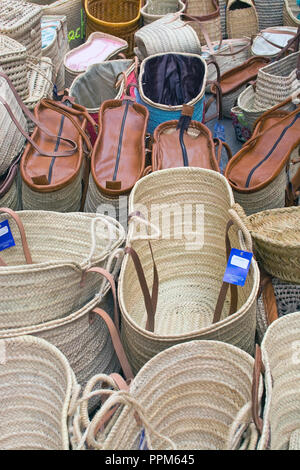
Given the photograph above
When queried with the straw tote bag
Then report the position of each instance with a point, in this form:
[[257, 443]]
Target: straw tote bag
[[241, 19], [291, 11], [88, 337], [168, 34], [205, 19], [182, 264], [74, 12], [38, 388], [270, 13], [51, 253], [280, 423], [155, 9], [192, 396]]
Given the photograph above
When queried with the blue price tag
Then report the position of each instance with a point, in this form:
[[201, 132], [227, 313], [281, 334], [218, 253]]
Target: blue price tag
[[6, 238], [143, 442], [238, 267]]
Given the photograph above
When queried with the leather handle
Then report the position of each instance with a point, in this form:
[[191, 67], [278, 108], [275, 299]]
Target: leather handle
[[219, 102], [257, 370], [220, 144], [20, 225]]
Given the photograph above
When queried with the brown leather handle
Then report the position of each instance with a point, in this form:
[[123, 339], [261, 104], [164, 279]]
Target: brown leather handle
[[219, 102], [20, 225], [225, 285], [220, 144], [257, 370]]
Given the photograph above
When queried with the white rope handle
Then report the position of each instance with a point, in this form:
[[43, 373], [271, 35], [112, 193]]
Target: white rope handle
[[246, 234]]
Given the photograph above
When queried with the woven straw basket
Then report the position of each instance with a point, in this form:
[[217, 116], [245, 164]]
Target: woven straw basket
[[192, 396], [270, 13], [155, 9], [62, 246], [158, 112], [280, 355], [13, 58], [277, 243], [11, 139], [223, 5], [74, 12], [12, 198], [190, 273], [120, 19], [290, 13], [241, 21], [83, 337], [246, 103], [276, 82], [168, 34], [208, 26], [37, 389], [21, 21]]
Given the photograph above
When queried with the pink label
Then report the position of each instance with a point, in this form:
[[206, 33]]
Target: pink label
[[91, 53]]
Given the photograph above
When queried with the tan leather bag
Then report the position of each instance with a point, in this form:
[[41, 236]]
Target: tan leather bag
[[186, 143]]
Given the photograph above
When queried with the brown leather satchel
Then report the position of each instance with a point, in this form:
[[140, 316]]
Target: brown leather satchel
[[118, 158], [186, 143]]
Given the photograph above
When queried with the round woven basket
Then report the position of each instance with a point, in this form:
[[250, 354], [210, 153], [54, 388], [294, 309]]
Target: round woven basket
[[155, 9], [280, 354], [208, 13], [290, 13], [120, 19], [193, 396], [189, 258], [62, 246], [168, 34], [241, 19], [276, 237], [37, 388]]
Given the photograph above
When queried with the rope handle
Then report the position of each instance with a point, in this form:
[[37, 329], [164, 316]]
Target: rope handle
[[21, 228]]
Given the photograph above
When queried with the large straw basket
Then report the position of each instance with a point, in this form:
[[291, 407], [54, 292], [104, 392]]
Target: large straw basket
[[168, 34], [246, 103], [62, 247], [120, 18], [191, 261], [280, 355], [241, 19], [270, 13], [207, 14], [192, 396], [13, 58], [290, 13], [21, 21], [155, 9], [74, 12], [277, 243], [37, 388]]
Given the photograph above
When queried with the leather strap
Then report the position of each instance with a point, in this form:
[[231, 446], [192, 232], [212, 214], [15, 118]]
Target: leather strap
[[219, 102], [20, 225], [225, 285], [257, 370], [220, 144]]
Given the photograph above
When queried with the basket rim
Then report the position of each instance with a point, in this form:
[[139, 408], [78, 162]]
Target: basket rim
[[108, 23]]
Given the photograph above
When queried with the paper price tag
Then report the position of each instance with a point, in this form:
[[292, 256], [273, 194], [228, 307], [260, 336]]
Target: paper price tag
[[238, 267], [6, 238]]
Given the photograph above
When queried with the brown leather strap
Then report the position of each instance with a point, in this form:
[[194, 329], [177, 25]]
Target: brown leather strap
[[218, 97], [111, 280], [268, 297], [225, 285], [86, 175], [115, 337], [257, 370], [220, 144], [20, 225]]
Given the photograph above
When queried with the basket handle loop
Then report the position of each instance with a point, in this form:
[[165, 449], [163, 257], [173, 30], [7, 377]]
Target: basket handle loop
[[20, 225]]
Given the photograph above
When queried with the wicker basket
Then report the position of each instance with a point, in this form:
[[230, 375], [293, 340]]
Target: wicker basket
[[13, 58], [21, 21], [119, 18], [193, 396], [241, 19], [206, 14], [280, 355], [78, 60], [159, 112], [34, 293], [155, 9], [246, 103], [290, 13], [74, 12], [186, 304], [168, 34], [276, 82], [38, 386], [276, 236], [223, 6], [270, 13]]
